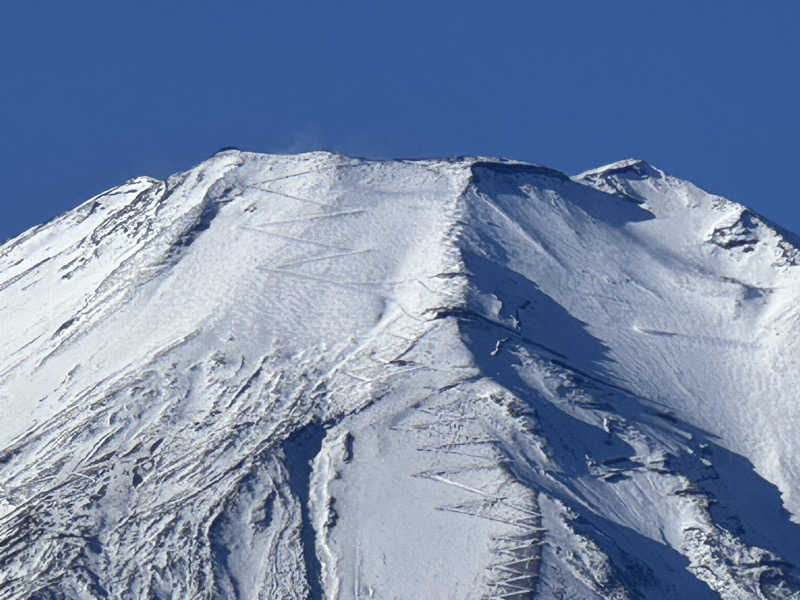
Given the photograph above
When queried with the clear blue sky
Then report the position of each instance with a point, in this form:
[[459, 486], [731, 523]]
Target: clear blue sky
[[96, 92]]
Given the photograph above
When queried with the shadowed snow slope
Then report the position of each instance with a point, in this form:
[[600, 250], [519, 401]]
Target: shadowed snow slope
[[316, 376]]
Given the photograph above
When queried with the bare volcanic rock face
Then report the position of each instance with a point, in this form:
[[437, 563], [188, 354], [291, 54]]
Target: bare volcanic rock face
[[316, 376]]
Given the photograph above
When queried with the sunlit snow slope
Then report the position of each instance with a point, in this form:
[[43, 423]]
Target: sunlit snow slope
[[316, 376]]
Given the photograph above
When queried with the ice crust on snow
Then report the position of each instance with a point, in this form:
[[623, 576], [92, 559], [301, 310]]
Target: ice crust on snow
[[327, 377]]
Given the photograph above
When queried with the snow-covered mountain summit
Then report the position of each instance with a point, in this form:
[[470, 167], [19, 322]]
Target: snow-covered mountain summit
[[325, 377]]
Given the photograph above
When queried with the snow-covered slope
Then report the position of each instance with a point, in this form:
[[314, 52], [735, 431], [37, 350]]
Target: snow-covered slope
[[316, 376]]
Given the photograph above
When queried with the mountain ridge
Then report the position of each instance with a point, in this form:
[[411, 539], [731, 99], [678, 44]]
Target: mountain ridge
[[509, 382]]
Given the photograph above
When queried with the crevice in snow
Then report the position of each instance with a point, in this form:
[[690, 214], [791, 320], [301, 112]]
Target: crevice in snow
[[300, 451]]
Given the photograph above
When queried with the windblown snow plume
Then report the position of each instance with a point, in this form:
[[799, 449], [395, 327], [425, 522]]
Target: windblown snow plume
[[317, 377]]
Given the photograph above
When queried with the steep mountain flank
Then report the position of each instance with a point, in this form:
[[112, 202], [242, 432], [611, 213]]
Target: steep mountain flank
[[316, 376]]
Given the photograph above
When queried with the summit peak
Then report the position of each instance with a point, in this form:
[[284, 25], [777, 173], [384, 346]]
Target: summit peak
[[630, 167]]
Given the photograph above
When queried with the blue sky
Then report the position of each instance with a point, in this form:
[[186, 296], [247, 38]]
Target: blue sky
[[94, 93]]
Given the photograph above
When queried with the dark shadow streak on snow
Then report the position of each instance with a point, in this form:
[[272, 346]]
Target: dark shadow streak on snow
[[638, 558], [501, 180], [300, 449], [542, 321], [214, 198]]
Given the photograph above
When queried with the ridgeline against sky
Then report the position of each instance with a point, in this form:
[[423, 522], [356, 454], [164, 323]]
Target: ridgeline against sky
[[95, 93]]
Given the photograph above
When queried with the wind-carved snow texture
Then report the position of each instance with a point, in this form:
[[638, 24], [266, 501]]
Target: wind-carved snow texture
[[319, 377]]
